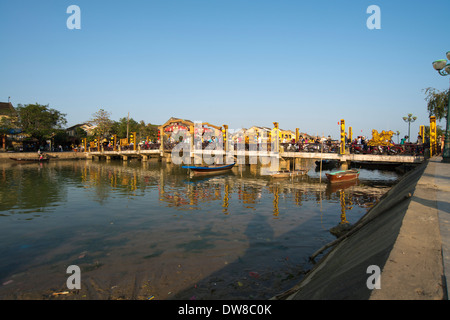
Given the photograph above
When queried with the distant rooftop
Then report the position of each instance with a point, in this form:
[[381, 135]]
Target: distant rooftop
[[6, 108]]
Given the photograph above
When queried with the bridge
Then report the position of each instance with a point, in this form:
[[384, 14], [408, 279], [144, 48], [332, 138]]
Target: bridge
[[241, 146], [285, 159]]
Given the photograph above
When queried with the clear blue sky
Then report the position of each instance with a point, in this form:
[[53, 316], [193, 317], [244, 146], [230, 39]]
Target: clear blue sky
[[305, 64]]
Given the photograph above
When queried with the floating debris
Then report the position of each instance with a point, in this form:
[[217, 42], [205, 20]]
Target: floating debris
[[8, 282]]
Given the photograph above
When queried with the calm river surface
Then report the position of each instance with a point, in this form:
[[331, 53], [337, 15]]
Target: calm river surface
[[146, 231]]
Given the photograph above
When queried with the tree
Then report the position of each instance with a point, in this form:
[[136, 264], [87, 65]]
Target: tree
[[39, 121], [7, 124], [148, 130], [80, 133], [120, 127], [60, 137], [103, 124], [437, 102]]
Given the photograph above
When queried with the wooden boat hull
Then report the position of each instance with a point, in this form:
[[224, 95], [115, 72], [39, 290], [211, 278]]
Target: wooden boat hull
[[208, 170], [334, 187], [281, 174], [342, 176], [287, 174], [300, 172], [30, 160]]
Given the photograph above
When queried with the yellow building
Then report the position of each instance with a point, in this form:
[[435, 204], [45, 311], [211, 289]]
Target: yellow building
[[286, 135], [256, 132]]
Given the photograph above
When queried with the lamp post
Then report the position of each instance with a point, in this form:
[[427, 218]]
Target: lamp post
[[443, 68], [409, 119]]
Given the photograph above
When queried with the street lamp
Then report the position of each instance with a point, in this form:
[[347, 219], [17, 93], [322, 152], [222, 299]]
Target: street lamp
[[409, 119], [443, 68]]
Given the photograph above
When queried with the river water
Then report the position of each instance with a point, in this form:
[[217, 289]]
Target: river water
[[145, 230]]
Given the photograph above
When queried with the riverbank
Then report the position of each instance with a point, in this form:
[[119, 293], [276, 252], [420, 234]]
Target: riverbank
[[68, 155], [405, 235]]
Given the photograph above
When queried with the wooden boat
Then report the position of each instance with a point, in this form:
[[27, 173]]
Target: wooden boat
[[342, 175], [30, 160], [287, 173], [213, 169], [281, 174], [335, 187], [300, 172]]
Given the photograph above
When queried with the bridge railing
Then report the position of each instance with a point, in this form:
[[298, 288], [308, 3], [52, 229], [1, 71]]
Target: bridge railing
[[397, 149]]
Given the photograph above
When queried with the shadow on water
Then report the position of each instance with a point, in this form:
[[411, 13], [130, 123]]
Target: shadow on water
[[253, 274]]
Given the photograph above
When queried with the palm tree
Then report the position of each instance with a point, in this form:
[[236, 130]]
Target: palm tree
[[410, 118]]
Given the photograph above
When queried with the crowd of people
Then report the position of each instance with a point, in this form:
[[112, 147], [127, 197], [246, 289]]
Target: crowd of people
[[359, 144]]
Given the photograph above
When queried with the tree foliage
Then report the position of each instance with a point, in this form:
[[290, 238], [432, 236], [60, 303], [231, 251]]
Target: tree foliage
[[120, 127], [142, 130], [148, 130], [7, 124], [39, 121], [437, 102], [102, 122]]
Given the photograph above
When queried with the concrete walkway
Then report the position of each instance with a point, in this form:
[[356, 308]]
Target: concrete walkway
[[442, 181], [406, 235]]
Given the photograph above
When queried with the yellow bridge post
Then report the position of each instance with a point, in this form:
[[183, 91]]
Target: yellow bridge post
[[433, 149], [225, 137], [342, 149], [133, 140], [276, 135]]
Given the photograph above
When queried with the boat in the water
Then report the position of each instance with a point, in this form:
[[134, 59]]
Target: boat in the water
[[335, 187], [287, 173], [212, 169], [30, 160], [300, 172], [342, 175], [281, 174]]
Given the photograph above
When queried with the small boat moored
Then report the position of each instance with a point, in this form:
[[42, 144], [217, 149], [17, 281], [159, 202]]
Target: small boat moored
[[342, 175], [281, 174], [30, 160], [213, 169], [287, 173], [300, 172]]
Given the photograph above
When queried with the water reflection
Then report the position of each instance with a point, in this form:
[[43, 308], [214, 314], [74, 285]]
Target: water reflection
[[39, 186], [150, 222], [31, 189]]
